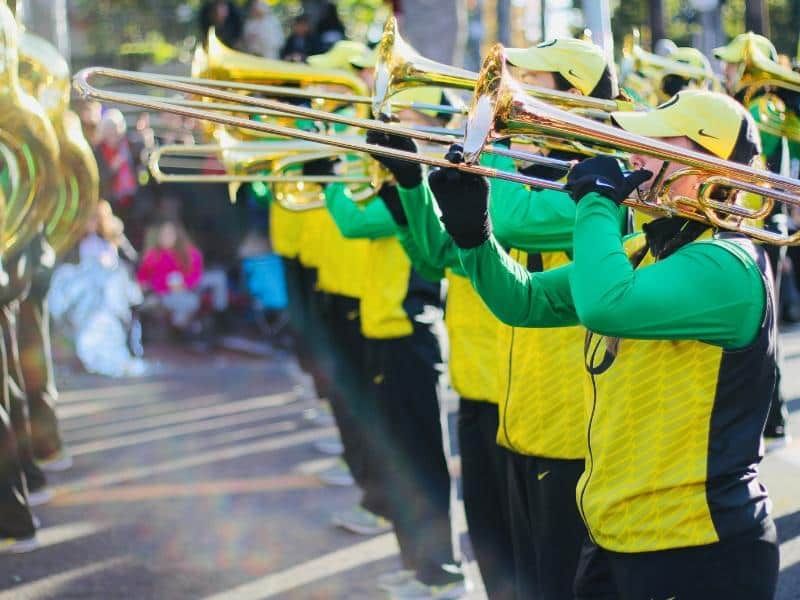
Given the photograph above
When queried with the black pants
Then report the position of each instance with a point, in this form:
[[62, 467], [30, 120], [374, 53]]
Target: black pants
[[350, 402], [15, 515], [18, 400], [744, 568], [404, 378], [547, 530], [36, 362], [484, 476], [778, 413]]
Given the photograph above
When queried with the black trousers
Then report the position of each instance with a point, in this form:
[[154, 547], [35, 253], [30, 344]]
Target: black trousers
[[36, 362], [484, 476], [352, 405], [778, 413], [18, 400], [404, 377], [744, 568], [548, 532], [15, 515]]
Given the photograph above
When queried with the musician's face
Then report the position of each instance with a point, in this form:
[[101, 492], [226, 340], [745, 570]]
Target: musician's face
[[543, 79], [685, 186]]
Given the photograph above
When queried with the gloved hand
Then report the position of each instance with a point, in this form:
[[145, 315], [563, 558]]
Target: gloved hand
[[603, 175], [391, 198], [408, 174], [320, 167], [464, 201]]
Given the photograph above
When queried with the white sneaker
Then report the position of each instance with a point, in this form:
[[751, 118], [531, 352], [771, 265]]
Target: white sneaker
[[61, 461], [331, 446], [337, 475], [361, 521], [40, 497], [387, 581], [18, 546], [414, 589]]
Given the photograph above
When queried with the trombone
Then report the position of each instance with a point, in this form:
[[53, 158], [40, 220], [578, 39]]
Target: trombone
[[500, 107], [400, 67]]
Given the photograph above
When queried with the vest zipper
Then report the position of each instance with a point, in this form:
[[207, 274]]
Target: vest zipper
[[590, 456], [508, 389]]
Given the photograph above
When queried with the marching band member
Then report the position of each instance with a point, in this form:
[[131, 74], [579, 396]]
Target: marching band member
[[680, 366], [537, 375], [399, 313]]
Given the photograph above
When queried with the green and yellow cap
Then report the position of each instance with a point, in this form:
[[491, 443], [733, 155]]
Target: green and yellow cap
[[710, 119], [339, 56], [734, 51], [692, 57], [578, 61]]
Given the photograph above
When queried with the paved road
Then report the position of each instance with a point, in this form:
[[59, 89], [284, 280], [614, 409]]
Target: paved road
[[198, 482]]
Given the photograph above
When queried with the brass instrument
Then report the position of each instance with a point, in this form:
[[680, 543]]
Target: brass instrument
[[400, 67], [500, 108], [283, 160], [642, 73], [45, 75], [757, 76], [28, 147], [81, 82], [217, 62]]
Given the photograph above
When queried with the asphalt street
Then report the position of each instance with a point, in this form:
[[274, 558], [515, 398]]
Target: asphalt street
[[198, 481]]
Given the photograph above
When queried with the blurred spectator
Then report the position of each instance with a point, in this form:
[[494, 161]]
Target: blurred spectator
[[263, 33], [101, 242], [92, 301], [114, 159], [330, 29], [172, 268], [225, 18], [300, 43], [90, 113]]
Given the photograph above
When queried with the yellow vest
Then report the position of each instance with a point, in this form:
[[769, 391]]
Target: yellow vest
[[540, 384], [343, 263], [311, 248], [284, 230], [472, 331], [388, 272]]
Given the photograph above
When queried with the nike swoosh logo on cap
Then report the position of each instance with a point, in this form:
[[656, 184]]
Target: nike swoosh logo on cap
[[574, 74], [703, 133]]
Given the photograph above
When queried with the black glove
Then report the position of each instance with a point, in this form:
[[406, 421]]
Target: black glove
[[464, 201], [320, 167], [603, 175], [408, 174], [391, 198]]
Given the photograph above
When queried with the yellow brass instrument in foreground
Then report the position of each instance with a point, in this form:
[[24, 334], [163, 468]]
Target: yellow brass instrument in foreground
[[45, 75], [28, 148]]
